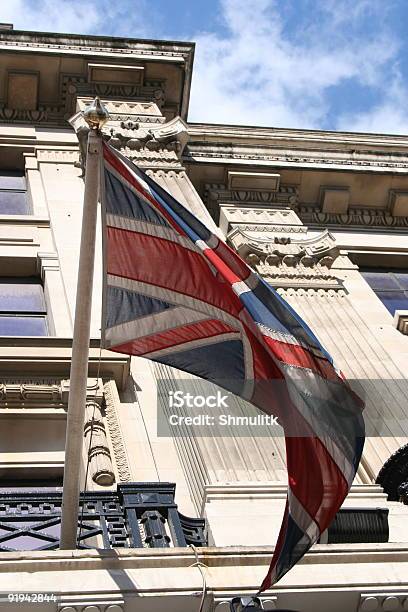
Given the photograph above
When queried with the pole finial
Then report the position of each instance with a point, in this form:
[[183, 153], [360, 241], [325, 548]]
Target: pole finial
[[96, 115]]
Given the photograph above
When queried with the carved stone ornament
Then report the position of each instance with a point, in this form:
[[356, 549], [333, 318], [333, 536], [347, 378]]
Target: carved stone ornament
[[151, 145], [288, 261], [354, 217], [26, 394], [218, 195], [51, 394], [100, 461]]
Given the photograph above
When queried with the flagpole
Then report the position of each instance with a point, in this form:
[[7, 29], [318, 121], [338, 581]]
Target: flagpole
[[95, 116]]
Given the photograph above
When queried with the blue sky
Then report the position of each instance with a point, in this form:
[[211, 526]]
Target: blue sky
[[325, 64]]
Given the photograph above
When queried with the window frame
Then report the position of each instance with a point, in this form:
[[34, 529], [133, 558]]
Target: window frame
[[398, 290], [40, 314], [15, 174]]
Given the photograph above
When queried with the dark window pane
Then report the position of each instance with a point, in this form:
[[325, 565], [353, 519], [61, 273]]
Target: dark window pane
[[21, 295], [394, 300], [13, 203], [402, 279], [23, 326], [380, 280], [12, 180]]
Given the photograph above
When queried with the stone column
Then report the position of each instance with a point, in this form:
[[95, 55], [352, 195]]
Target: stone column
[[100, 461]]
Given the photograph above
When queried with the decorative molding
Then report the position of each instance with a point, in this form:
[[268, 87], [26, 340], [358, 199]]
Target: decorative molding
[[309, 288], [97, 602], [286, 195], [95, 49], [21, 394], [23, 115], [30, 393], [275, 229], [111, 402], [248, 218], [355, 216], [75, 89], [290, 262], [47, 262], [300, 157], [92, 608], [160, 145], [73, 86], [128, 113], [385, 601], [59, 156], [100, 461], [289, 251]]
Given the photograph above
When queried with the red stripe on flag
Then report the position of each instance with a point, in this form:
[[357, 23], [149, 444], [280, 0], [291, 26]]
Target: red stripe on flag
[[321, 488], [174, 337], [159, 262], [232, 260], [222, 268], [293, 354]]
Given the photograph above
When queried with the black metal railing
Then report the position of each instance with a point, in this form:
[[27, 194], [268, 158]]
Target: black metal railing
[[359, 526], [136, 515]]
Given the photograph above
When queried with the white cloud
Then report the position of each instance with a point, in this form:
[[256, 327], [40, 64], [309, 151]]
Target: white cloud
[[102, 17], [259, 75], [388, 117], [50, 16]]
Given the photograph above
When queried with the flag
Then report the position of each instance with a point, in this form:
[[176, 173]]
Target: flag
[[177, 294]]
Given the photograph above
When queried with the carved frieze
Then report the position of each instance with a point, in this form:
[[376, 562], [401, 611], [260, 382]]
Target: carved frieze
[[217, 195], [288, 261], [259, 218], [58, 156], [151, 146], [111, 403], [32, 393], [127, 113], [74, 86], [354, 217]]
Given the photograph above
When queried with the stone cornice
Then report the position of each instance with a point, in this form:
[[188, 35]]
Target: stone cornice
[[48, 42], [290, 156], [348, 142], [53, 358]]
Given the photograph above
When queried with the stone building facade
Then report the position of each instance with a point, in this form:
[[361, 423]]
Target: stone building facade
[[322, 216]]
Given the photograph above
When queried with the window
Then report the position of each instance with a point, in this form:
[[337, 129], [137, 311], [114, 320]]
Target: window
[[13, 194], [390, 286], [22, 307]]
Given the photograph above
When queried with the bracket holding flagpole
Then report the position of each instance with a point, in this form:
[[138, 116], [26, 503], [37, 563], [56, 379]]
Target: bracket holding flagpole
[[95, 116]]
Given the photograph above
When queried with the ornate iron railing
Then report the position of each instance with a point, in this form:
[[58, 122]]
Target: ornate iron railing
[[136, 515]]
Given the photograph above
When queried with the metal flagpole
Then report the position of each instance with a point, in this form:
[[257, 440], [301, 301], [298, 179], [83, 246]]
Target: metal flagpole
[[95, 115]]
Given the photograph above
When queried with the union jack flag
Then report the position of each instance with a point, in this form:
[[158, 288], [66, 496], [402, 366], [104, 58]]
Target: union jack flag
[[177, 294]]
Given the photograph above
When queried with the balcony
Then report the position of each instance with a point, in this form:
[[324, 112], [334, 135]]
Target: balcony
[[137, 515]]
